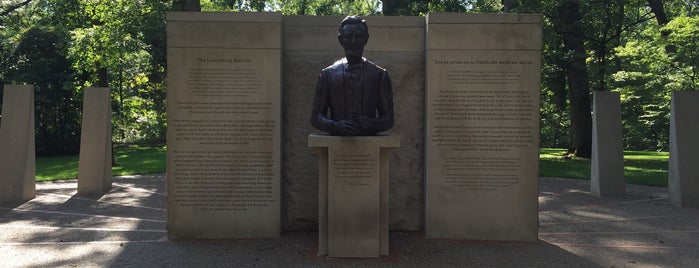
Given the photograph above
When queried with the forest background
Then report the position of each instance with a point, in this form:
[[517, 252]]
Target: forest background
[[643, 49]]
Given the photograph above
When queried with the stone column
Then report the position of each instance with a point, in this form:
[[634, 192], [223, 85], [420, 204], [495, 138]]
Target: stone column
[[353, 194], [607, 171], [683, 172], [17, 156], [95, 166]]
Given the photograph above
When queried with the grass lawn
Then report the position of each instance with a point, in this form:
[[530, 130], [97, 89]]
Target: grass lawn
[[645, 168], [130, 160]]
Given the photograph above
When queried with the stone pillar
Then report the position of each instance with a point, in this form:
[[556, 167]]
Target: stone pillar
[[607, 170], [17, 156], [95, 166], [353, 194], [683, 172], [482, 126]]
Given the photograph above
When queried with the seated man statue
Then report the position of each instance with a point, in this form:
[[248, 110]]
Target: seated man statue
[[356, 92]]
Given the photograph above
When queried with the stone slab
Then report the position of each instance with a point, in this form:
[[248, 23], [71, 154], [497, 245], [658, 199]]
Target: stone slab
[[353, 194], [224, 30], [17, 157], [482, 129], [484, 31], [683, 172], [394, 34], [95, 162], [302, 65], [224, 125], [607, 163]]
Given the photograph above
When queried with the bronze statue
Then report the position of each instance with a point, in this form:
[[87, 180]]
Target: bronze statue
[[356, 92]]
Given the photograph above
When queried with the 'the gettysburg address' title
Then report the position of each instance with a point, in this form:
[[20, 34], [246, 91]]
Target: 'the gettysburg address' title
[[223, 60]]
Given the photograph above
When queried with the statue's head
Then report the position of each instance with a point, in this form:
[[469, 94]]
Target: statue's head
[[353, 35]]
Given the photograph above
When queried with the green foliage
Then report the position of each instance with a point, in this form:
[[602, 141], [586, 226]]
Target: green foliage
[[119, 44], [40, 58], [682, 52], [115, 42], [296, 7], [655, 61], [122, 44]]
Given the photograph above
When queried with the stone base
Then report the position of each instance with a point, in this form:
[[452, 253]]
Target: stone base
[[683, 172], [607, 163], [95, 165], [353, 194], [17, 158]]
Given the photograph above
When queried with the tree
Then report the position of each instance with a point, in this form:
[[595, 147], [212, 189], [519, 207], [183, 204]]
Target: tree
[[656, 6], [568, 22], [40, 59], [186, 5], [6, 9]]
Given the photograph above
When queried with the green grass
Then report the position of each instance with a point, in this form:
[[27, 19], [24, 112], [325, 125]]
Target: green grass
[[130, 160], [645, 168]]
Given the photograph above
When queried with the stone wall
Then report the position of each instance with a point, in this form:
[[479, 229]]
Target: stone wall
[[310, 44]]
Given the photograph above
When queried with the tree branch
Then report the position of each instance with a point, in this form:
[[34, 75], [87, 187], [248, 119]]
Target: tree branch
[[14, 7]]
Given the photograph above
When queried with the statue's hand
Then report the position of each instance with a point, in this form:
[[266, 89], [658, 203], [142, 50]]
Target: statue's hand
[[364, 122], [347, 128]]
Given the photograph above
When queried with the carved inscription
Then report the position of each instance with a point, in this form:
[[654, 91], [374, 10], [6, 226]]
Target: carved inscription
[[223, 131], [354, 169], [223, 180], [480, 118], [223, 81], [481, 173], [223, 137]]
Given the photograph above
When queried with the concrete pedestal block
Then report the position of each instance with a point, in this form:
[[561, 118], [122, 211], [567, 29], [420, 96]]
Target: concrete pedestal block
[[353, 194], [683, 172], [607, 171], [95, 166], [17, 159]]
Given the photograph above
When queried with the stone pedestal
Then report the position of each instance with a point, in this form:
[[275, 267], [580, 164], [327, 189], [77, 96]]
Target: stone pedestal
[[95, 166], [17, 160], [683, 172], [353, 194], [607, 171]]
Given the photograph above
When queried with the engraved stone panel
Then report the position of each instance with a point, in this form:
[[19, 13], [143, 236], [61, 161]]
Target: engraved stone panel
[[482, 129], [17, 158], [683, 172], [224, 126], [95, 165]]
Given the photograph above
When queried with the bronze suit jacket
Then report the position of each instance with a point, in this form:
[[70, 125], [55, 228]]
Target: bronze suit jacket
[[346, 94]]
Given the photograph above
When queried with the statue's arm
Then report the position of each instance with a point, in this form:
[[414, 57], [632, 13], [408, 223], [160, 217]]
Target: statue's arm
[[321, 104], [384, 121]]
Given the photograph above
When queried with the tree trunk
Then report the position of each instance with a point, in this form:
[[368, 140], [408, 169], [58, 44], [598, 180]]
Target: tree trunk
[[656, 6], [388, 7], [186, 5], [508, 5], [568, 21]]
